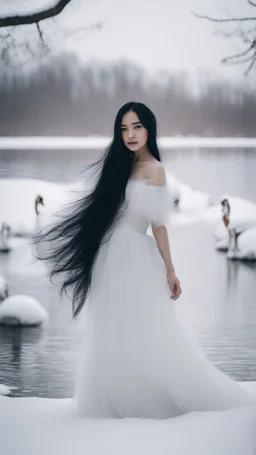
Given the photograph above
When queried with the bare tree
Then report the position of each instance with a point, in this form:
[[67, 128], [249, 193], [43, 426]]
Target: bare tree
[[245, 30], [14, 43]]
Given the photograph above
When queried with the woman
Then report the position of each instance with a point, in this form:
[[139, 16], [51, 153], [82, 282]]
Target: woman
[[139, 358]]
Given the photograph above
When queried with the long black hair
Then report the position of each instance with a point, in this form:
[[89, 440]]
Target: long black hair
[[70, 244]]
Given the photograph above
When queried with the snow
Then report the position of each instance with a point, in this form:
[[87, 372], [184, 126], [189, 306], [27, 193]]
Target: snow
[[22, 310], [4, 390], [100, 142], [190, 200], [50, 426]]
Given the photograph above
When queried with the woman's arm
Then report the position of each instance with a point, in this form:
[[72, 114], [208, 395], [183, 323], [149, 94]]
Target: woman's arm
[[161, 235]]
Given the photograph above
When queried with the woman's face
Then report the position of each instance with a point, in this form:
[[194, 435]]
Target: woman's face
[[134, 134]]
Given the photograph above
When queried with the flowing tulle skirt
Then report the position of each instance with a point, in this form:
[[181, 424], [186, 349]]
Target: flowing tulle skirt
[[139, 356]]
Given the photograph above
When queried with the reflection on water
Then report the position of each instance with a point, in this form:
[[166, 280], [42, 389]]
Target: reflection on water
[[218, 294]]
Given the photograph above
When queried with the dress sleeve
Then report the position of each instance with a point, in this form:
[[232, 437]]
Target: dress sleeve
[[161, 205], [153, 202]]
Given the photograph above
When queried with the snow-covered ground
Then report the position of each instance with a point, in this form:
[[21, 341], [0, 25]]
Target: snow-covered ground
[[97, 142], [49, 426]]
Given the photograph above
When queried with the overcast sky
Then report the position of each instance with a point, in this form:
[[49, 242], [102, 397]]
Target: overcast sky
[[156, 34]]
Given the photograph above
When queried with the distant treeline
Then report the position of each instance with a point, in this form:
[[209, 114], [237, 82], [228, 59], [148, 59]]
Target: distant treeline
[[63, 97]]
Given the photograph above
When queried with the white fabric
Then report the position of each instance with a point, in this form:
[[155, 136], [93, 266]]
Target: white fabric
[[139, 357]]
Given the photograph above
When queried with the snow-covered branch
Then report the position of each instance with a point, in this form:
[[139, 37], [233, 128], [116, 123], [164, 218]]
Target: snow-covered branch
[[18, 39], [34, 18]]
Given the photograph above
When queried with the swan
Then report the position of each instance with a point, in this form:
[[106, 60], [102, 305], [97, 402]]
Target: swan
[[22, 200], [39, 200], [245, 246], [16, 229], [238, 216], [4, 238], [28, 203]]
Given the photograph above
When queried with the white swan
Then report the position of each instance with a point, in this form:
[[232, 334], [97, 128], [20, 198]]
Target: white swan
[[4, 238], [245, 246], [238, 216], [21, 200], [22, 310]]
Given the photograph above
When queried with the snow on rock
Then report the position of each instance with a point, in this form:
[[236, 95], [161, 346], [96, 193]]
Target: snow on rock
[[190, 200], [4, 390], [22, 310], [193, 200], [26, 421], [210, 214]]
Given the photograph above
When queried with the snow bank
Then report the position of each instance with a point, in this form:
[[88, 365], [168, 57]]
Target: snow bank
[[100, 142], [4, 390], [22, 310], [49, 426]]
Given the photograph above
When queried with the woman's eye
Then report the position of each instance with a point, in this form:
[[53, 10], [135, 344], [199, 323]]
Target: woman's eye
[[123, 129], [137, 126]]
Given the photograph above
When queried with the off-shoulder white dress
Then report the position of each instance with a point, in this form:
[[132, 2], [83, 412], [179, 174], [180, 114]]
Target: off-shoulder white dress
[[139, 357]]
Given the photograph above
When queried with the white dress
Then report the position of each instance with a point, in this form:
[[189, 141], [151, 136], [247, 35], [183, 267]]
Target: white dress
[[139, 357]]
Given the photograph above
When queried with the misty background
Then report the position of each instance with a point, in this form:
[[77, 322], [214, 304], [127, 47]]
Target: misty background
[[63, 97], [71, 76]]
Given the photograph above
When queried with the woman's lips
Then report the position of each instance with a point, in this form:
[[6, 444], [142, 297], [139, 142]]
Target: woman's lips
[[132, 143]]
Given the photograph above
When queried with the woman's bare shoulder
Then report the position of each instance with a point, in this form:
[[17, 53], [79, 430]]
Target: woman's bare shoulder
[[149, 170], [156, 173]]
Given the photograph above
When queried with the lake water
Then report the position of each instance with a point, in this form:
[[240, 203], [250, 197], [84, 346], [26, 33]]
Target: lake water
[[219, 296]]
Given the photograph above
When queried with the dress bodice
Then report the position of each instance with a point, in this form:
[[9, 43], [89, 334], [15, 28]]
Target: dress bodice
[[145, 204]]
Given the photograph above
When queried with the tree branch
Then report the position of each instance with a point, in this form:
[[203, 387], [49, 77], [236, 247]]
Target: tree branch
[[40, 33], [233, 19], [240, 54], [36, 17], [250, 66], [247, 37]]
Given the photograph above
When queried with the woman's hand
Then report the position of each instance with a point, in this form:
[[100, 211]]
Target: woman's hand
[[174, 285]]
